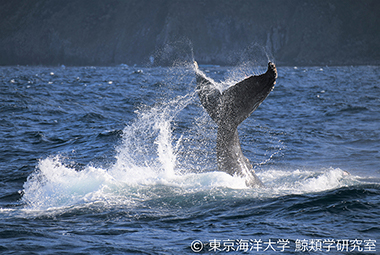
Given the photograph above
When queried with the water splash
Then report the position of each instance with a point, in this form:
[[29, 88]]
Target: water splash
[[57, 185], [148, 142], [156, 152]]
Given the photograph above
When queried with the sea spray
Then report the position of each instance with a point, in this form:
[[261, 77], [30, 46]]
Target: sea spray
[[148, 141]]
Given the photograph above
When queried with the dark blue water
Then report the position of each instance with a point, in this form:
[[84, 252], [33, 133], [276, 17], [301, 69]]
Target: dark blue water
[[119, 160]]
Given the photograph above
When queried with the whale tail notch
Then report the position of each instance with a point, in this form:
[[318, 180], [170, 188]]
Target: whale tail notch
[[230, 108]]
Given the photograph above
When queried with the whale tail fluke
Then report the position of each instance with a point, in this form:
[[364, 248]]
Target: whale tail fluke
[[230, 108]]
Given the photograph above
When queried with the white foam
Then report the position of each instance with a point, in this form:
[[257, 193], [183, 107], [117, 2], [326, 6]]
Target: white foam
[[55, 185], [307, 181]]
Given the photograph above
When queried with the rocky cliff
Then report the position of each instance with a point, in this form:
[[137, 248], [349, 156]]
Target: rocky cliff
[[99, 32]]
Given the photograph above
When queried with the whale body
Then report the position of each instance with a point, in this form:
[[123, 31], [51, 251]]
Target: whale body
[[230, 108]]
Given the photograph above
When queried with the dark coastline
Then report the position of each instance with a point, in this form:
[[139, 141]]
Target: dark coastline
[[40, 32]]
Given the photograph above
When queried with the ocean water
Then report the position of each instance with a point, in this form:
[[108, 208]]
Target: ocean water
[[121, 160]]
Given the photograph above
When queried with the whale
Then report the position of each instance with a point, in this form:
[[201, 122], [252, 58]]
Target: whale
[[228, 109]]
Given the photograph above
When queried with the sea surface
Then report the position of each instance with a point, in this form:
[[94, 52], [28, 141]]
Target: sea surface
[[121, 160]]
